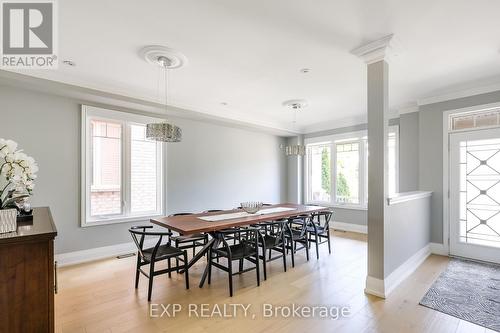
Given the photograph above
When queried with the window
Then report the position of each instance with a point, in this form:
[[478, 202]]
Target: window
[[475, 120], [347, 176], [337, 169], [123, 171], [320, 177]]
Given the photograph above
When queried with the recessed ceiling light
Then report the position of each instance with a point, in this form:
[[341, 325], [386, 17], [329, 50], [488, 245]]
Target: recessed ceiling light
[[305, 70], [69, 63]]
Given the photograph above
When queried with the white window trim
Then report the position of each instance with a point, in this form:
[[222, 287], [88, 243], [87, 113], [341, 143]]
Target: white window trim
[[124, 118], [363, 183], [447, 130]]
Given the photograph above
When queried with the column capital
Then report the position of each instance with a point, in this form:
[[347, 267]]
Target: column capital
[[374, 51]]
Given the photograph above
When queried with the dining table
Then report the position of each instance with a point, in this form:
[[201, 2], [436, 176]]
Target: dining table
[[213, 222]]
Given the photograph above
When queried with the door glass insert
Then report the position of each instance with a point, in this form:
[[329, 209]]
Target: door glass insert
[[480, 192]]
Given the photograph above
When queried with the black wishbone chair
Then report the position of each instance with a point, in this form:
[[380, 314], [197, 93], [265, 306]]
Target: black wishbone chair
[[247, 249], [297, 233], [272, 238], [234, 237], [318, 230], [189, 241], [159, 252]]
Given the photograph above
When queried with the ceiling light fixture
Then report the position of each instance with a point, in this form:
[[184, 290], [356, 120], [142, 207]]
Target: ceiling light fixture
[[166, 59], [295, 105]]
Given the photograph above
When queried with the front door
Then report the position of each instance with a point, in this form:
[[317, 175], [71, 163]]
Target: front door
[[475, 194]]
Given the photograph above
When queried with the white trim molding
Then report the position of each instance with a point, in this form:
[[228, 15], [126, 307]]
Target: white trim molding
[[351, 227], [374, 51], [407, 196], [83, 256], [446, 165], [382, 288], [461, 93], [439, 249]]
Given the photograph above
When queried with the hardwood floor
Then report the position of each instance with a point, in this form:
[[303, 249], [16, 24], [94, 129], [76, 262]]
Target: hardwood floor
[[100, 297]]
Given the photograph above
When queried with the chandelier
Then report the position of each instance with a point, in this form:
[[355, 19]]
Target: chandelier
[[294, 150], [166, 59]]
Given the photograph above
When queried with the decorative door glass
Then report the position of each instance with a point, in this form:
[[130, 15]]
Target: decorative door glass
[[480, 192]]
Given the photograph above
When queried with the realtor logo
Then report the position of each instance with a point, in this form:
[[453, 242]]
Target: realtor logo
[[28, 34]]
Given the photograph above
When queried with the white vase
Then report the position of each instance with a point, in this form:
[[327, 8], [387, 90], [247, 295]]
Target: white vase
[[8, 220]]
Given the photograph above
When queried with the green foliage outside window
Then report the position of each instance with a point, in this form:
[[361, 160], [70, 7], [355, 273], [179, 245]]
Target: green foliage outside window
[[325, 171]]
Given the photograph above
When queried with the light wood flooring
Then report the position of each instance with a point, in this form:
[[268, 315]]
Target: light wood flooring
[[100, 297]]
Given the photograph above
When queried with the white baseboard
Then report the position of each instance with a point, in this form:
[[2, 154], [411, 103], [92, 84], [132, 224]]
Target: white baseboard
[[439, 249], [382, 288], [79, 257], [362, 229], [375, 287]]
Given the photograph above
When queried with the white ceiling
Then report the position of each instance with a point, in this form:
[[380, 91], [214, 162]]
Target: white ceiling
[[248, 53]]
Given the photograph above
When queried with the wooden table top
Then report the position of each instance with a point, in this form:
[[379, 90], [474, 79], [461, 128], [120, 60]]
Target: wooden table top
[[191, 224]]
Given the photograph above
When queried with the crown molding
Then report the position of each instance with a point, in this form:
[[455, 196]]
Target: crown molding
[[334, 124], [374, 51], [459, 94], [119, 102], [406, 108]]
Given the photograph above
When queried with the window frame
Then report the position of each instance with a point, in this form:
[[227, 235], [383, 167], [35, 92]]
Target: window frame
[[126, 120], [332, 140]]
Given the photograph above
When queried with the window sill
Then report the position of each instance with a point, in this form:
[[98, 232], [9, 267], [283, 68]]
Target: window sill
[[95, 223], [327, 204]]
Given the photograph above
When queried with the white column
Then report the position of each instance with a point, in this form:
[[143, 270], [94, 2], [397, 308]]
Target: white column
[[374, 54]]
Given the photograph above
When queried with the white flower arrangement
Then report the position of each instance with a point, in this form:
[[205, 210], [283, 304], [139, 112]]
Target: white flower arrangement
[[17, 173]]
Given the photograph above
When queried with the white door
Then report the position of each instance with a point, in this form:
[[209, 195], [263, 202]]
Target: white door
[[475, 194]]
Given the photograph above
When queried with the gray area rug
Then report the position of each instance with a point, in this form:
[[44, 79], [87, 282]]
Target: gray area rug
[[468, 290]]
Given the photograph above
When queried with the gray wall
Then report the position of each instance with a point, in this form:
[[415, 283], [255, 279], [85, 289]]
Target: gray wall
[[431, 151], [407, 232], [408, 152], [214, 167]]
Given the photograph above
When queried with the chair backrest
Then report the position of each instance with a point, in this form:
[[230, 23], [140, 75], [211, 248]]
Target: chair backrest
[[180, 214], [303, 220], [325, 215], [280, 225], [139, 235]]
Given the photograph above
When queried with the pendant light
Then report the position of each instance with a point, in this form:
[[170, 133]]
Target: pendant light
[[294, 150], [166, 59]]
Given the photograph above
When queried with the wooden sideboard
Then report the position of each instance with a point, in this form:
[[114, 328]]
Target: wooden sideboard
[[27, 275]]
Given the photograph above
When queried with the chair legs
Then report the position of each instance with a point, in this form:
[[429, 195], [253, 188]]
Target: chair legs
[[152, 273], [257, 267], [209, 253], [317, 245], [186, 269], [264, 261], [230, 273], [284, 255], [169, 265], [329, 247], [151, 277], [137, 273]]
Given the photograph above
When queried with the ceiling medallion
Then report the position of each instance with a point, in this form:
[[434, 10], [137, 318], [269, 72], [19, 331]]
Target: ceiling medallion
[[166, 59]]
